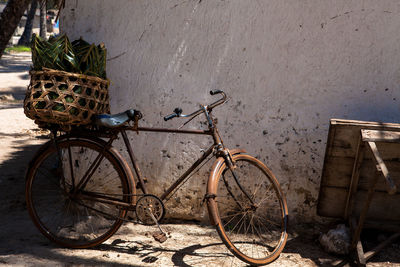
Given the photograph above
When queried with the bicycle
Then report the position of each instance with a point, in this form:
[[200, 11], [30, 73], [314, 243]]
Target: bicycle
[[79, 189]]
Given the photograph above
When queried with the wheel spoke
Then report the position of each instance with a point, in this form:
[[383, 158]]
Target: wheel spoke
[[230, 231], [70, 167]]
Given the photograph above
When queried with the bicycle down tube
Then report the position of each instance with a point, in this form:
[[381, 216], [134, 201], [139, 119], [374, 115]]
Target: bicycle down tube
[[132, 157]]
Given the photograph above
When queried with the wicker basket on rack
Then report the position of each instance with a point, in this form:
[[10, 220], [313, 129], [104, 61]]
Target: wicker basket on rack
[[65, 99]]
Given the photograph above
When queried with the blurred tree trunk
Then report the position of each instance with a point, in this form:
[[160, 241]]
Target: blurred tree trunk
[[43, 23], [9, 19], [26, 36]]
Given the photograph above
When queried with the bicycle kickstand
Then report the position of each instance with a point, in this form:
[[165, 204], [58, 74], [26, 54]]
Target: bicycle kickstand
[[162, 236]]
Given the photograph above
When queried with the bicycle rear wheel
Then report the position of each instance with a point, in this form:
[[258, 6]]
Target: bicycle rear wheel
[[249, 210], [75, 218]]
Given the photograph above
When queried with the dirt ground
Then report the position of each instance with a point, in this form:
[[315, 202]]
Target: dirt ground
[[190, 244]]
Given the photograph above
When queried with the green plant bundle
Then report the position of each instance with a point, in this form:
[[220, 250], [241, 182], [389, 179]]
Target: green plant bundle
[[77, 57], [92, 58]]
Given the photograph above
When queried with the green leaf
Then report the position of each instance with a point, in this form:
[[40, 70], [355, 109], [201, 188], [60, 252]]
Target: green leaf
[[77, 57]]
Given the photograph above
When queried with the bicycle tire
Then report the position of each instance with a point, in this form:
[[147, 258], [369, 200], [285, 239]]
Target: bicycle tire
[[256, 233], [71, 220]]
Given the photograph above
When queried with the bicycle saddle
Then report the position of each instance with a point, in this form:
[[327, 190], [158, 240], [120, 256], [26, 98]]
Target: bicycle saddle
[[115, 120]]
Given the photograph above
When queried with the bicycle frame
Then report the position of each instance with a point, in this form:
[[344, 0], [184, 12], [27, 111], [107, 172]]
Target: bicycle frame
[[172, 187], [112, 133]]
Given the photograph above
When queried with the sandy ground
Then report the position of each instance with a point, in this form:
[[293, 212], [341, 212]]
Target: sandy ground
[[190, 244]]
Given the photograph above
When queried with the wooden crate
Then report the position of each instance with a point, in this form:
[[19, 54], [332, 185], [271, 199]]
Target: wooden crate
[[339, 165]]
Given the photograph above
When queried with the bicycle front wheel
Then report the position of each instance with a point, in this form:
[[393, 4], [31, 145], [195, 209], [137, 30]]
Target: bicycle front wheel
[[249, 210], [70, 217]]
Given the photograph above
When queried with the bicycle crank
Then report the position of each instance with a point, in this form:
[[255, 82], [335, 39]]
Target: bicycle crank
[[160, 237], [150, 203], [149, 211]]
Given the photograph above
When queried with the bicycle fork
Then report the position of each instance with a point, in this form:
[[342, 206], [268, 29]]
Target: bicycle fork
[[230, 162]]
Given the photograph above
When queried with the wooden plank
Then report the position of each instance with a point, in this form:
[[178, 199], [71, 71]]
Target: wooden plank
[[331, 138], [332, 202], [368, 171], [342, 122], [361, 260], [347, 133], [388, 226], [381, 168], [345, 143], [321, 193], [380, 136], [383, 207], [388, 151], [381, 246], [364, 207], [338, 171], [356, 247], [355, 176], [348, 148]]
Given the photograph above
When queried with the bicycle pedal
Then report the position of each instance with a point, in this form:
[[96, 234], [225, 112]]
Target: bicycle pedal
[[160, 237]]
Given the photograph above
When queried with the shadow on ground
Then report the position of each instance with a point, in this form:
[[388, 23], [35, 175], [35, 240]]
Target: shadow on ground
[[15, 63], [306, 244], [17, 92], [26, 245], [188, 256]]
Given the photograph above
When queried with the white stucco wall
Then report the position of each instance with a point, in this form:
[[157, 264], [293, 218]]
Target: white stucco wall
[[288, 67]]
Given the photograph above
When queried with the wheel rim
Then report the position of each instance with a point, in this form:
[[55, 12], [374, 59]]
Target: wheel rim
[[64, 216], [254, 229]]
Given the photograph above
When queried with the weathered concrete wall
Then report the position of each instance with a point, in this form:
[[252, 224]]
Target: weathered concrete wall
[[288, 67]]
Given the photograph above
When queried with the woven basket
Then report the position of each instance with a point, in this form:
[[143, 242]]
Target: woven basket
[[65, 99]]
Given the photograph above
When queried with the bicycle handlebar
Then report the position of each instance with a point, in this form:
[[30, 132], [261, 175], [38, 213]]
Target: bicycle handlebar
[[178, 111], [170, 116], [218, 102], [215, 92]]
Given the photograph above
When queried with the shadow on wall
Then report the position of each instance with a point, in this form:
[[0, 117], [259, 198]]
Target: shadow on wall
[[382, 108]]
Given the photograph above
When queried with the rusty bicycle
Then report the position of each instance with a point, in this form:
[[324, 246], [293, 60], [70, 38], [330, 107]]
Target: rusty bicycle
[[79, 188]]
